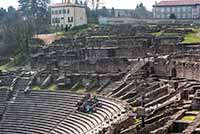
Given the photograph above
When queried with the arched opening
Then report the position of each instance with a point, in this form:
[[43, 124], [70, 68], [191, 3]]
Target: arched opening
[[173, 72], [152, 70]]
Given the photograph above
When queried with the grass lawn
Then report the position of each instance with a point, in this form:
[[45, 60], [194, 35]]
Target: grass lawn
[[192, 38], [61, 33], [157, 33], [188, 118], [8, 67], [13, 63], [74, 30], [198, 111], [52, 87], [35, 88]]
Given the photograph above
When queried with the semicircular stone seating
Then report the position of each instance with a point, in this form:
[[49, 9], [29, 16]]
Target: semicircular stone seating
[[55, 112]]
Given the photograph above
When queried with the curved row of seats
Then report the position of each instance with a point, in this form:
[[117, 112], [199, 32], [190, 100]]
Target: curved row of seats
[[78, 122], [3, 98], [55, 112]]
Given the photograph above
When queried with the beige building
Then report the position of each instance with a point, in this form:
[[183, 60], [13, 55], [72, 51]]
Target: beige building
[[179, 9], [68, 14]]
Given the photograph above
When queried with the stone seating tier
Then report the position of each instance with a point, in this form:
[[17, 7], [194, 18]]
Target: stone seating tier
[[41, 112]]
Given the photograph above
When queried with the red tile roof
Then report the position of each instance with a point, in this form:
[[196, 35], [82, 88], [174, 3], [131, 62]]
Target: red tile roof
[[177, 2]]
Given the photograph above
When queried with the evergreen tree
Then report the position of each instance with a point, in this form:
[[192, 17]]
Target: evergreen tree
[[76, 2], [113, 12], [34, 8], [2, 13], [141, 12], [37, 11], [103, 12]]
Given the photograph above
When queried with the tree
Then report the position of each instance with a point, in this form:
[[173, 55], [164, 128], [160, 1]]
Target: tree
[[2, 13], [113, 12], [76, 2], [81, 2], [11, 10], [142, 6], [141, 12], [103, 12], [37, 11], [16, 33]]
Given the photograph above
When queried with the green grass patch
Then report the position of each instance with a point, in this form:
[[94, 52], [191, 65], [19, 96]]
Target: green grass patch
[[157, 33], [10, 66], [137, 120], [161, 33], [188, 118], [73, 31], [13, 63], [79, 89], [36, 88], [192, 38], [53, 87], [61, 33], [197, 111]]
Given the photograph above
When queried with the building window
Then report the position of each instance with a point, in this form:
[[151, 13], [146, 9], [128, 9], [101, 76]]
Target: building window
[[64, 11], [178, 9], [173, 9], [60, 12], [67, 11], [168, 16], [189, 9], [56, 11], [55, 20], [189, 16], [186, 16], [58, 20], [52, 12], [184, 9], [181, 9], [168, 9], [183, 16], [62, 18], [72, 19], [162, 10]]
